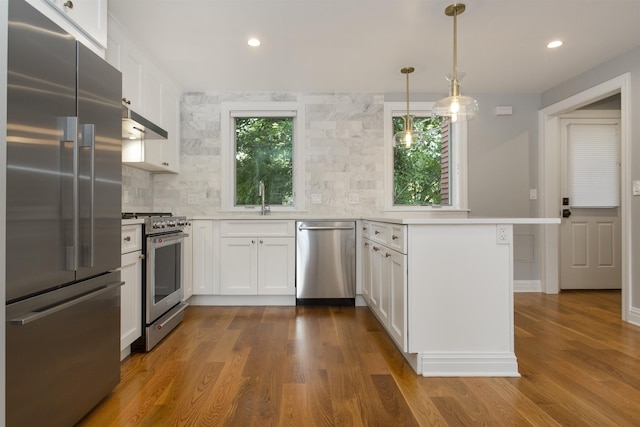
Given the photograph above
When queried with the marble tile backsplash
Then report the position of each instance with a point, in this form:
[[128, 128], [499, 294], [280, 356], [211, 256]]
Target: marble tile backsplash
[[344, 154], [137, 190]]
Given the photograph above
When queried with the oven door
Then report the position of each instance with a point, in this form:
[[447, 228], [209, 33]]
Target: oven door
[[163, 287]]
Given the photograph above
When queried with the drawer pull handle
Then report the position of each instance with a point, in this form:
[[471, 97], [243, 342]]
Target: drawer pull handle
[[69, 4], [364, 228], [387, 255], [375, 248], [376, 232], [127, 239], [394, 237]]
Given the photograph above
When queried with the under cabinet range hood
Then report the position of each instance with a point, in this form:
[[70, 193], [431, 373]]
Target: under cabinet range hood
[[134, 126]]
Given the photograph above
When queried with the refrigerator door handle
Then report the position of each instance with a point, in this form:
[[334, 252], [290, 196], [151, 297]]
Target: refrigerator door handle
[[45, 311], [88, 140], [70, 136]]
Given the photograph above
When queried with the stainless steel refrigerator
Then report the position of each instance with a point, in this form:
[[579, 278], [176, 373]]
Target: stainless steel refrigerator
[[63, 227]]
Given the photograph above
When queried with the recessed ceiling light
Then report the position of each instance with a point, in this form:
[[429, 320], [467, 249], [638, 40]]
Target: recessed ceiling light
[[253, 42], [554, 44]]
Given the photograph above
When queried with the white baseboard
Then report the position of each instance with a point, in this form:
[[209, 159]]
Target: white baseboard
[[249, 300], [527, 286], [634, 316], [467, 364]]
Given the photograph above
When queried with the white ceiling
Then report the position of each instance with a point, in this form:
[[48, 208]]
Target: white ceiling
[[361, 45]]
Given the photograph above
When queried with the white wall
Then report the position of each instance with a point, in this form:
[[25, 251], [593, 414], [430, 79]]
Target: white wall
[[626, 63]]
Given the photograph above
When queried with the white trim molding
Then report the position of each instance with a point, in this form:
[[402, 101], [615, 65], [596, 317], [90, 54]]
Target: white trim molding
[[527, 286], [549, 185], [469, 364]]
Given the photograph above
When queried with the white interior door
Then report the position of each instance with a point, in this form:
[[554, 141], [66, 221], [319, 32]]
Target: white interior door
[[590, 238]]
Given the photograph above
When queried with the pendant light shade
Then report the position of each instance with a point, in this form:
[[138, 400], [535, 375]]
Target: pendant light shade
[[455, 106], [408, 136]]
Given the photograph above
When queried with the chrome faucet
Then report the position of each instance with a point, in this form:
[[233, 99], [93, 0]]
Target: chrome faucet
[[265, 209]]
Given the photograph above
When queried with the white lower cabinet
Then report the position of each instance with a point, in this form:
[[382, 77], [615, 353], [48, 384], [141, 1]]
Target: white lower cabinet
[[131, 291], [366, 271], [257, 257], [187, 262], [257, 265], [203, 258], [384, 281]]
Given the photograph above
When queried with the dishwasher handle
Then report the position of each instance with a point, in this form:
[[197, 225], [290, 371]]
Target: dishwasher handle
[[301, 228]]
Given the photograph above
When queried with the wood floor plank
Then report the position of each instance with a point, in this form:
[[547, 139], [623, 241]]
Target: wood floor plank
[[336, 366]]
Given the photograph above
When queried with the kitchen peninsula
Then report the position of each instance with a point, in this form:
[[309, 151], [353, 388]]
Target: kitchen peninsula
[[441, 287]]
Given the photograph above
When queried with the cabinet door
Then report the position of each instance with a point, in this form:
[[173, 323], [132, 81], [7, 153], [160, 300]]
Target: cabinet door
[[171, 123], [239, 266], [187, 273], [276, 266], [384, 306], [366, 270], [376, 277], [202, 261], [130, 298], [397, 279], [131, 68], [90, 16]]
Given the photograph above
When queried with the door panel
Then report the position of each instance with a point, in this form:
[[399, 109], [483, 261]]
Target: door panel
[[40, 96], [590, 238], [100, 168]]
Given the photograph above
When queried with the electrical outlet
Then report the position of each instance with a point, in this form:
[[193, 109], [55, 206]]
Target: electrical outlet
[[533, 194], [192, 199], [503, 234], [354, 198], [316, 199]]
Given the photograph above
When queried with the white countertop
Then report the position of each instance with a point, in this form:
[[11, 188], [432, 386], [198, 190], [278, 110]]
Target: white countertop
[[396, 218]]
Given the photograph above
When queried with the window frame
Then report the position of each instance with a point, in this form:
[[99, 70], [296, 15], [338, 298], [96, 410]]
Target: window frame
[[231, 110], [458, 185]]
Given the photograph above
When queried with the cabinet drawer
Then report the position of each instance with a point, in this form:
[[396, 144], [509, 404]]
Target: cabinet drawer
[[366, 226], [378, 232], [398, 237], [131, 238], [393, 236], [264, 228]]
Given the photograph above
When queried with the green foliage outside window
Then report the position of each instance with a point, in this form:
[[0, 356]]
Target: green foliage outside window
[[417, 170], [264, 152]]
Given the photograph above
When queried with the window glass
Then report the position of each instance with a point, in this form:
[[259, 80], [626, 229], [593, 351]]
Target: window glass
[[262, 141], [421, 171], [264, 152]]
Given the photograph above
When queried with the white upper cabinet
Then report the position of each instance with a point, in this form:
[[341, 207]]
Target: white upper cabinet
[[86, 20], [150, 93]]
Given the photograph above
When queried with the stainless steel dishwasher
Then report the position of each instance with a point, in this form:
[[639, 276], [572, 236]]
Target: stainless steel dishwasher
[[325, 262]]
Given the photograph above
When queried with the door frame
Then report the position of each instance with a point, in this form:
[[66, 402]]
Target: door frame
[[549, 180]]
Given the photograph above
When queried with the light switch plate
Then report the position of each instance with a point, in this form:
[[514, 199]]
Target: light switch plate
[[354, 198], [636, 188], [316, 199]]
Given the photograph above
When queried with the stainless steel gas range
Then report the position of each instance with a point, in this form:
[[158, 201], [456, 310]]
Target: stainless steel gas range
[[163, 308]]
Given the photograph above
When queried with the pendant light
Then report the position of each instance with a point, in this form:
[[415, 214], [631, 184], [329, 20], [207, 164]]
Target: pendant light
[[455, 106], [408, 136]]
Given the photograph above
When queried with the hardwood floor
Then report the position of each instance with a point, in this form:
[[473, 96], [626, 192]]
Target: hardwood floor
[[288, 366]]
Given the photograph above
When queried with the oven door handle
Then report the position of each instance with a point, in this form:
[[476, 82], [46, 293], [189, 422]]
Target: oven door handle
[[168, 238]]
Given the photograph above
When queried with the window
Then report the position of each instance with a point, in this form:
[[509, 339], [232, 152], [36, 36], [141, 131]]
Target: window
[[424, 176], [421, 171], [262, 142]]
